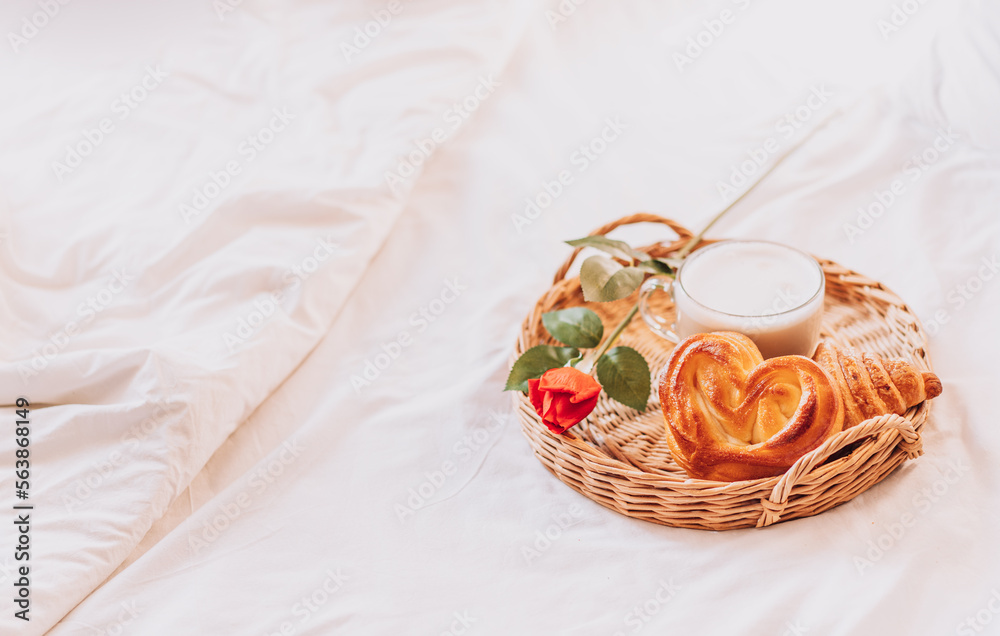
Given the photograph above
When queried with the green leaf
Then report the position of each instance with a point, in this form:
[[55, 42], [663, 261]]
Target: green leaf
[[536, 361], [656, 266], [619, 249], [576, 327], [624, 374], [604, 280]]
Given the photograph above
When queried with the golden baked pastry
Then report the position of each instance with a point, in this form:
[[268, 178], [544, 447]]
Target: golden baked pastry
[[873, 386], [731, 416]]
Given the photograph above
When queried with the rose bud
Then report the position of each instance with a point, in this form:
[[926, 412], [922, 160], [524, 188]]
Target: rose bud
[[562, 397]]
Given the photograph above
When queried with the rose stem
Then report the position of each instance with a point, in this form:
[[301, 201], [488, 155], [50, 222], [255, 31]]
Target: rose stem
[[589, 362], [697, 237]]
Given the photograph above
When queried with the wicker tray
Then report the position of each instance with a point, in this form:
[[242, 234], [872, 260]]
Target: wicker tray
[[618, 457]]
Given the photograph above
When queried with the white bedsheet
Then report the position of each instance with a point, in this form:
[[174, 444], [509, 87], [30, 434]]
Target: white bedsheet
[[342, 497]]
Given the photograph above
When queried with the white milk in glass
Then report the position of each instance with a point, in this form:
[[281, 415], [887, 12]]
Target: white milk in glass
[[770, 292]]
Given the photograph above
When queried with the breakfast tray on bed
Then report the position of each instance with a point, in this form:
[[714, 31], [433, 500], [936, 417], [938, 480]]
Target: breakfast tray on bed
[[619, 458]]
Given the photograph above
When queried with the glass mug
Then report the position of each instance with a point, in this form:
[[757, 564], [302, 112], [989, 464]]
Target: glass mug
[[770, 292]]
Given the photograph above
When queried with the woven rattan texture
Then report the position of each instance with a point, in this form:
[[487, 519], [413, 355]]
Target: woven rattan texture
[[618, 456]]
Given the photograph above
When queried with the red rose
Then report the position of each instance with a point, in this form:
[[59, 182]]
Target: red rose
[[563, 397]]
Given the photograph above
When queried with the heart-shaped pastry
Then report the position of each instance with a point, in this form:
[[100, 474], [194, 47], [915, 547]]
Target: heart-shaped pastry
[[731, 416]]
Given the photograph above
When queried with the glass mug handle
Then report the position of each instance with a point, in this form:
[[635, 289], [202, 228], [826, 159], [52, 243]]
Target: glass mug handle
[[657, 323]]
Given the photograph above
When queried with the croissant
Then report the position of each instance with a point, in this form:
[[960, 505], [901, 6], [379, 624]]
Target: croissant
[[873, 386], [730, 415]]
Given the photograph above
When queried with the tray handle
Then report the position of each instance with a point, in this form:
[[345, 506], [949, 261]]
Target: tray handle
[[910, 443], [682, 232]]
